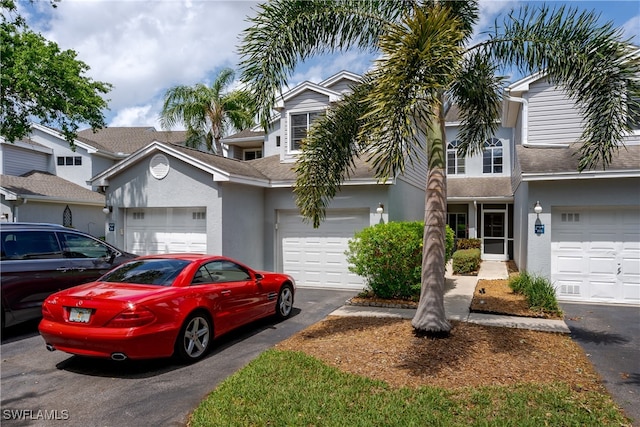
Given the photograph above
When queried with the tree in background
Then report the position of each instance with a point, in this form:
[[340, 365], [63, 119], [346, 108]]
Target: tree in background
[[207, 112], [397, 113], [39, 82]]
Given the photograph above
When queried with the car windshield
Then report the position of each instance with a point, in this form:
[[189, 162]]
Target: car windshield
[[160, 272]]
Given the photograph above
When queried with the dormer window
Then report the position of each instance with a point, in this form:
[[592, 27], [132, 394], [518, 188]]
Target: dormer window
[[300, 124], [492, 156], [455, 163]]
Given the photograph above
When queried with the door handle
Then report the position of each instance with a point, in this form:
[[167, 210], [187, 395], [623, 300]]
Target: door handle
[[226, 293]]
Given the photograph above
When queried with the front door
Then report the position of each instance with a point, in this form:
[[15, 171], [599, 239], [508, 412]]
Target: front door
[[494, 237]]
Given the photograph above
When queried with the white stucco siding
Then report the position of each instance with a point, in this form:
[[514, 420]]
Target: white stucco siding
[[474, 164], [183, 187], [271, 144], [553, 117], [243, 223]]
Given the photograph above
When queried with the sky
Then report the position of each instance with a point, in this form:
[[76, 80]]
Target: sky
[[144, 47]]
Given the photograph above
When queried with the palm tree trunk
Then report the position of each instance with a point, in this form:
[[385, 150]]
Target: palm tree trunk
[[218, 147], [430, 316]]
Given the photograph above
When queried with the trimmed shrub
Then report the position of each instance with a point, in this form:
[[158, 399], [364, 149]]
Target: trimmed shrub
[[540, 293], [469, 244], [466, 261], [389, 258]]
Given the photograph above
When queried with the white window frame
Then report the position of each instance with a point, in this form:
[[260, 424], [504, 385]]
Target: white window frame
[[459, 163], [309, 120], [491, 146], [252, 150]]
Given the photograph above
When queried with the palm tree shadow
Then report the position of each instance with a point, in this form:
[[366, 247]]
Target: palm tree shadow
[[585, 336]]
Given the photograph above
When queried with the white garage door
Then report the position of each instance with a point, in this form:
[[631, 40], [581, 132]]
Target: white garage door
[[165, 230], [595, 255], [315, 257]]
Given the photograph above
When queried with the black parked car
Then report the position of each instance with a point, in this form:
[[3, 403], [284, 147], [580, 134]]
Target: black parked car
[[40, 259]]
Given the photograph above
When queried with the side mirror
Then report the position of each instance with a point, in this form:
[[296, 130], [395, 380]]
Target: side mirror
[[259, 277]]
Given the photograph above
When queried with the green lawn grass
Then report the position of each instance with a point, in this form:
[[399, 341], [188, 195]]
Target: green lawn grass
[[284, 388]]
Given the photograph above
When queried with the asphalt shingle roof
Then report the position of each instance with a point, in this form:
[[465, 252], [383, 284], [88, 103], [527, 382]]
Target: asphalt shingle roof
[[275, 170], [128, 139], [43, 184], [559, 160], [479, 187]]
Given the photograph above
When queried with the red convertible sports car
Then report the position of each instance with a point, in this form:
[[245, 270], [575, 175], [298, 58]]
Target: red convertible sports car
[[162, 305]]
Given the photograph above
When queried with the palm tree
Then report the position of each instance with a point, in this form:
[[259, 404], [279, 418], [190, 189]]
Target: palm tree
[[207, 112], [396, 115]]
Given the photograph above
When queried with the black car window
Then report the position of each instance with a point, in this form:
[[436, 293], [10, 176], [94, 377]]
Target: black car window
[[224, 271], [30, 245], [147, 272], [79, 246]]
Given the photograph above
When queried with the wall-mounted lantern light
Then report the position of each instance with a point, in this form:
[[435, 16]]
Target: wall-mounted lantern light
[[380, 208], [107, 209], [537, 208]]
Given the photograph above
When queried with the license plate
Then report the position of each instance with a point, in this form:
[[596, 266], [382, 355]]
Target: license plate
[[80, 315]]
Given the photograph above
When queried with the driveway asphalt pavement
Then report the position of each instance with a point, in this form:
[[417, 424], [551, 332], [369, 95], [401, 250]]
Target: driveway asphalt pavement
[[610, 335], [40, 388]]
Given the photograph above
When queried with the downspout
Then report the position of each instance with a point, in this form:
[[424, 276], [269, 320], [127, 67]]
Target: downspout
[[524, 130]]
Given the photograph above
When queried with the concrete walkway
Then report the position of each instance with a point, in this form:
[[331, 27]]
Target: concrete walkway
[[457, 300]]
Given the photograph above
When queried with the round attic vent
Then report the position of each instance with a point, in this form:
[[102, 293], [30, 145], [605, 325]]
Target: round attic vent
[[159, 166]]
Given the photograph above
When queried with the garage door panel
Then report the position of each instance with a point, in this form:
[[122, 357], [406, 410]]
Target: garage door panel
[[322, 261], [595, 254], [568, 264], [152, 231], [603, 290]]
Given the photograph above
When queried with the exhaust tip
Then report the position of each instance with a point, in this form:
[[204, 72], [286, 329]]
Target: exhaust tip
[[119, 357], [50, 347]]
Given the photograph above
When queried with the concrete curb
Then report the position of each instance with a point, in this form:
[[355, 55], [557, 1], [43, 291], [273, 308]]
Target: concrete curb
[[457, 300]]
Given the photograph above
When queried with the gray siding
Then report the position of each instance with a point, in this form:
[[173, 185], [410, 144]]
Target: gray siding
[[342, 86], [553, 117], [17, 161]]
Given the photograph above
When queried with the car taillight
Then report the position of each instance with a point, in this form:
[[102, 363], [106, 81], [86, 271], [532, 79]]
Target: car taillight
[[131, 318], [46, 314]]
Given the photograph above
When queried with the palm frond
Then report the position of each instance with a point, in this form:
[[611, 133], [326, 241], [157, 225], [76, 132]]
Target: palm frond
[[477, 92], [286, 32], [587, 59], [420, 56], [328, 155]]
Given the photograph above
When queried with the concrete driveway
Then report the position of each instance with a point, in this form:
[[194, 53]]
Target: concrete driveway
[[610, 335], [40, 388]]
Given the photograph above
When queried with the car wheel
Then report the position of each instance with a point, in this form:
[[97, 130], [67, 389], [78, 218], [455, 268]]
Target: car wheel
[[284, 305], [194, 338]]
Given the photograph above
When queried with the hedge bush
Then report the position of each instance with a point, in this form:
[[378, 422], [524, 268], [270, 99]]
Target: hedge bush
[[466, 261], [389, 257], [468, 244]]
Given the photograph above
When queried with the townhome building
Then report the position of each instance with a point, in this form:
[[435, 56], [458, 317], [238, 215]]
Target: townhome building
[[522, 196]]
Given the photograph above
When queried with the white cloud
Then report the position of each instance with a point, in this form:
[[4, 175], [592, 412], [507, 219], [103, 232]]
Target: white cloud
[[631, 29], [144, 47]]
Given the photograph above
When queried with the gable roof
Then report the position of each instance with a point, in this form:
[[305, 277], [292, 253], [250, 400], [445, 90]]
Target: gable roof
[[37, 185], [221, 168], [127, 140], [562, 163]]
